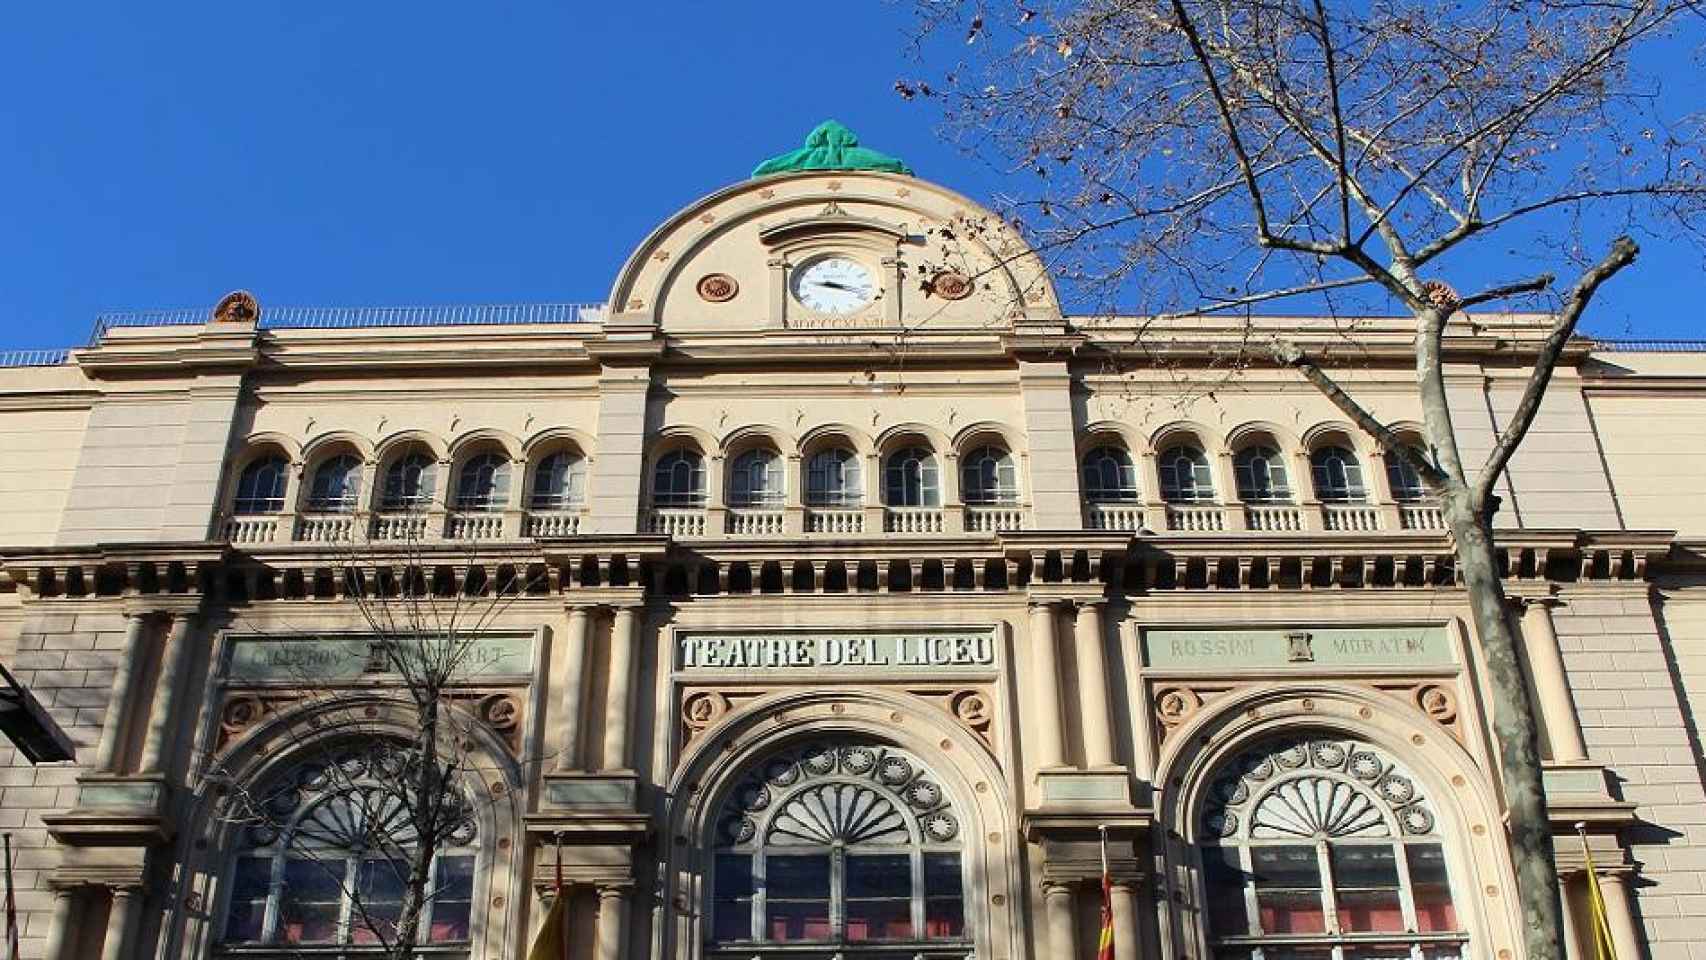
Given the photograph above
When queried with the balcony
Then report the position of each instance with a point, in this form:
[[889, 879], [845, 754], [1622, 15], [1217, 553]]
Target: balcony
[[994, 518], [1273, 517], [552, 523], [1196, 518], [399, 526], [913, 520], [325, 528], [747, 522], [1349, 517], [676, 521], [1420, 516], [835, 521], [255, 528], [475, 525]]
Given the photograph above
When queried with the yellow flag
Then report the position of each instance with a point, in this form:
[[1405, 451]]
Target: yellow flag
[[553, 940], [1603, 947]]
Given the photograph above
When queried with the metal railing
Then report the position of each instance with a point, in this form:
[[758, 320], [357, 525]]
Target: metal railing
[[1649, 346], [33, 358], [355, 318]]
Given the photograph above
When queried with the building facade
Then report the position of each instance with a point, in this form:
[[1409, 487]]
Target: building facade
[[840, 595]]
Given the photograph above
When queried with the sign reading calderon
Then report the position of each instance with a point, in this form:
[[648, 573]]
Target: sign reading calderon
[[930, 651]]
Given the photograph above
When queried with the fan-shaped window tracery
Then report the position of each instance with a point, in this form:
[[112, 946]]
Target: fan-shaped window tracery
[[1327, 847], [325, 853], [852, 845]]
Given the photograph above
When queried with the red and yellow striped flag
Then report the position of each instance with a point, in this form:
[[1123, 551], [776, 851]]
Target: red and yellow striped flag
[[1105, 944], [1603, 946]]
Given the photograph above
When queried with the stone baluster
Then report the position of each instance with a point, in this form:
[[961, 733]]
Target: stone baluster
[[1093, 685], [619, 707], [174, 663], [1045, 688], [574, 688]]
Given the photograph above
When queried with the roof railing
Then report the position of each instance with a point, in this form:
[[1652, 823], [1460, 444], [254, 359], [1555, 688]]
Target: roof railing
[[354, 318], [1650, 346], [33, 358]]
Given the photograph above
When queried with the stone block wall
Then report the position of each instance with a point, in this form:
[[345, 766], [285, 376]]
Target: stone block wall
[[67, 661], [1637, 721]]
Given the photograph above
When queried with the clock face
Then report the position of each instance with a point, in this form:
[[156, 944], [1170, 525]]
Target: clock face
[[834, 285]]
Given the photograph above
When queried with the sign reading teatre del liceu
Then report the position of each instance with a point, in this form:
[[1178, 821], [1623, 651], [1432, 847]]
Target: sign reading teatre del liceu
[[874, 652]]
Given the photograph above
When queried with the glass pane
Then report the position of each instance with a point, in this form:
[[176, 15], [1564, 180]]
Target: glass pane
[[311, 900], [453, 886], [1365, 879], [376, 913], [944, 907], [882, 876], [1224, 881], [879, 919], [1288, 889], [798, 920], [250, 884], [879, 897], [942, 877], [734, 876], [797, 877], [1431, 889]]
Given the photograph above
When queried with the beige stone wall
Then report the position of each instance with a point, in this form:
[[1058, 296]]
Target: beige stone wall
[[36, 471], [1620, 659], [1655, 449]]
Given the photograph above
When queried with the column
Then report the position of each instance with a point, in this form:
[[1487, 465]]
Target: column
[[174, 660], [1126, 943], [118, 703], [612, 921], [1062, 928], [1045, 688], [618, 708], [574, 689], [1546, 668], [121, 924], [1093, 685], [54, 947], [1567, 901], [1620, 915]]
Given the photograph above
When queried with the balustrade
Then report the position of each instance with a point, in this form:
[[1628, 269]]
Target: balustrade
[[1349, 517], [325, 528], [676, 522], [912, 520], [553, 523], [251, 529], [399, 526], [835, 521], [1273, 517], [475, 525], [1421, 516], [754, 523], [1187, 518], [1116, 516], [993, 519]]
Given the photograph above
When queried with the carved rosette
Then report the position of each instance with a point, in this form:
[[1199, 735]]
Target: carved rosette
[[1174, 706], [238, 306]]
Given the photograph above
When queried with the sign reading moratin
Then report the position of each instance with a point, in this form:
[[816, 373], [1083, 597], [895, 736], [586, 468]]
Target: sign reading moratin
[[921, 650], [330, 658], [1382, 646]]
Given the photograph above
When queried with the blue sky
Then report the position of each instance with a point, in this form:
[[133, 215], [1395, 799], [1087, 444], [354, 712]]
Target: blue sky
[[377, 152]]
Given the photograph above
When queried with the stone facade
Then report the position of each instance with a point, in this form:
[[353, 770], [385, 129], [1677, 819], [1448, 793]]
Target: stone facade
[[922, 575]]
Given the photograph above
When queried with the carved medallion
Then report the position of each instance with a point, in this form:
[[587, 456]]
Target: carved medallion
[[238, 306], [717, 287], [951, 285]]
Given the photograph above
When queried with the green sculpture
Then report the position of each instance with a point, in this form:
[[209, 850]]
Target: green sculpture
[[831, 146]]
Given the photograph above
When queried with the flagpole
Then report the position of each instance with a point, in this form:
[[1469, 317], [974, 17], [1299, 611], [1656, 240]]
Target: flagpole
[[1604, 947], [562, 928], [13, 948], [1103, 829]]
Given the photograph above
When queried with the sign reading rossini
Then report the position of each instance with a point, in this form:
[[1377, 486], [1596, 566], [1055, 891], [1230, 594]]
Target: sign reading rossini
[[926, 650], [1422, 645]]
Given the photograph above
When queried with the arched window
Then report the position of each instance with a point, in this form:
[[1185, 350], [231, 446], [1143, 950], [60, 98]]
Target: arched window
[[1185, 475], [559, 482], [910, 479], [260, 487], [846, 844], [1337, 474], [1109, 476], [325, 854], [833, 480], [1407, 485], [987, 475], [1261, 475], [756, 479], [410, 482], [337, 485], [1314, 844], [679, 480], [483, 483]]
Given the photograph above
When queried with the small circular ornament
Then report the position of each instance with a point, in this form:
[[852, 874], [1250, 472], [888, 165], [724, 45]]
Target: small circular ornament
[[717, 287], [951, 285]]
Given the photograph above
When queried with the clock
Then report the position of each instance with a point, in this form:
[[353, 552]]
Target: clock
[[833, 284]]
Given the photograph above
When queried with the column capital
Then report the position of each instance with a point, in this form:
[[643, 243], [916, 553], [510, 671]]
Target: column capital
[[1055, 887], [614, 889]]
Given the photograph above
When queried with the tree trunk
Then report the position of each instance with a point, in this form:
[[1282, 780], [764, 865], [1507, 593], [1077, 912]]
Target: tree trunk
[[428, 823], [1529, 830]]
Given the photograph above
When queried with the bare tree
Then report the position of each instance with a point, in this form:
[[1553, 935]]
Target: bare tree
[[1199, 157], [368, 815]]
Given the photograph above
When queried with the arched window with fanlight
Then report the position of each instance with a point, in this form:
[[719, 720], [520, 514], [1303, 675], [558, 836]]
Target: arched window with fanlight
[[336, 487], [850, 846], [1109, 476], [260, 487], [1320, 846], [988, 475], [833, 479], [410, 482], [559, 482], [1261, 475], [910, 479], [755, 480], [1337, 475], [483, 483], [1185, 475], [679, 480], [325, 853], [1405, 479]]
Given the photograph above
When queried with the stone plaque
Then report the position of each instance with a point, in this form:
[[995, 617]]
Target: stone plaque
[[350, 657], [1299, 648], [945, 651]]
